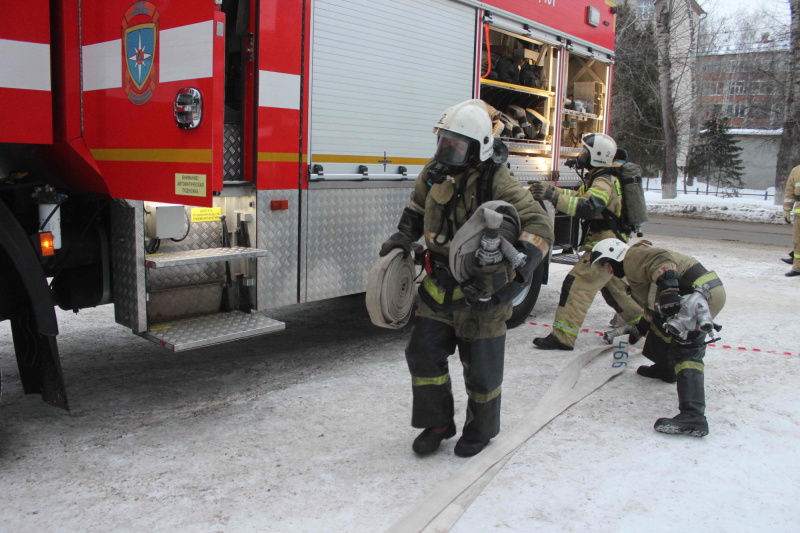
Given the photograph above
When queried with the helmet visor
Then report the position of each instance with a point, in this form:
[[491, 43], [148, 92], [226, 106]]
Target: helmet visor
[[451, 148], [598, 259]]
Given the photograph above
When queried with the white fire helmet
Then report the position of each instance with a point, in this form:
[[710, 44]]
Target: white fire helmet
[[458, 127], [601, 147], [608, 250]]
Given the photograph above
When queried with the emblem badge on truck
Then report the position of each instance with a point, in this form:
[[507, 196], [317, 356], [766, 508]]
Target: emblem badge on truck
[[139, 35]]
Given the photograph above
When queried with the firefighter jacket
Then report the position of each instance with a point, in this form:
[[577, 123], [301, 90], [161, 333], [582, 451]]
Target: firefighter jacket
[[644, 264], [601, 191], [447, 206], [791, 199]]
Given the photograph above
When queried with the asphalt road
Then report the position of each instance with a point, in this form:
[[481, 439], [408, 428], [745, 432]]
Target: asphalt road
[[750, 232]]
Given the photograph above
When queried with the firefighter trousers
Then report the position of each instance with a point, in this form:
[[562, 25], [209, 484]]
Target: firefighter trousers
[[577, 294], [434, 338], [685, 358]]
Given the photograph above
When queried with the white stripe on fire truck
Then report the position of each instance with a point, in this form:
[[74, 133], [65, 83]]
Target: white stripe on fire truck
[[24, 65], [102, 66], [186, 53], [278, 89]]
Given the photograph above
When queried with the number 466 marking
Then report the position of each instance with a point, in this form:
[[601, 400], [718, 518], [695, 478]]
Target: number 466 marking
[[620, 353]]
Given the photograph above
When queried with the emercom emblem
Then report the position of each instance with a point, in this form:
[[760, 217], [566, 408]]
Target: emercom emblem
[[139, 36]]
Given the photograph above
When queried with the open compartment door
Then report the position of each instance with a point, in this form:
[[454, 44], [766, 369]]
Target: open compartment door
[[585, 107], [519, 80], [153, 97]]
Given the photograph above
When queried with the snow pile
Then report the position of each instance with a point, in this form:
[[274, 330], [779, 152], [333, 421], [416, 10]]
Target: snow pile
[[750, 206]]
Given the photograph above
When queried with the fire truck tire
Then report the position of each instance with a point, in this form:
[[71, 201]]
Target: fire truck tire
[[23, 274], [526, 300]]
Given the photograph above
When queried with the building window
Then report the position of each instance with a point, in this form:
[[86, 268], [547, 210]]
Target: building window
[[645, 9], [737, 88], [736, 110]]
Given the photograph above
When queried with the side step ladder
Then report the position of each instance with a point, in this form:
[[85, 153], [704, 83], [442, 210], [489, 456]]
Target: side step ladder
[[211, 329], [565, 255], [189, 333]]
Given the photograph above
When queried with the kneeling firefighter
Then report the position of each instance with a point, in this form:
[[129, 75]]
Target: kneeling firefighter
[[681, 298], [467, 170]]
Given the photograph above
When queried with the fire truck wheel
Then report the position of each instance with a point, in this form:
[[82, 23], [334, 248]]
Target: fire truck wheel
[[526, 300]]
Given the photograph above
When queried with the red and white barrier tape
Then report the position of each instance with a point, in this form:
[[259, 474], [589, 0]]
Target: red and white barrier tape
[[712, 345]]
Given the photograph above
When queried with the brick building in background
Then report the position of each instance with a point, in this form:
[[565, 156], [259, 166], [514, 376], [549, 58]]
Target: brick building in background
[[740, 76]]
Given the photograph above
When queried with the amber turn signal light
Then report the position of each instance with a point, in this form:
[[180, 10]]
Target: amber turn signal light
[[46, 245]]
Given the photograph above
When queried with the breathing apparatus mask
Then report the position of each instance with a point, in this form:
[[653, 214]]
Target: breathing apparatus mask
[[581, 162], [453, 152]]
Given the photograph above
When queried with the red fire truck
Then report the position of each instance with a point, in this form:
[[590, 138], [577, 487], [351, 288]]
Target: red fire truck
[[200, 162]]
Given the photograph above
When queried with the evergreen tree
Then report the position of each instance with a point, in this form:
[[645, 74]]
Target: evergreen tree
[[716, 158], [636, 120]]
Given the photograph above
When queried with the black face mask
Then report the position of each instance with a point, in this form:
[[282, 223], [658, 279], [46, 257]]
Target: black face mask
[[583, 159], [619, 269], [438, 173]]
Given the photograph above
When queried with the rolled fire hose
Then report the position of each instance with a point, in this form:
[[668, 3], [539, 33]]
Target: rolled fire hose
[[441, 508], [467, 239], [390, 290]]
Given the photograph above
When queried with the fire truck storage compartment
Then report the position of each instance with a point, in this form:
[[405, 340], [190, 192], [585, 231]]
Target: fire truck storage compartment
[[519, 81], [382, 73], [585, 102]]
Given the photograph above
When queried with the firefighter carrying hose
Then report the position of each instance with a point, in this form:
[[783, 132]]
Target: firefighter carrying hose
[[681, 298], [791, 203], [467, 170], [599, 204]]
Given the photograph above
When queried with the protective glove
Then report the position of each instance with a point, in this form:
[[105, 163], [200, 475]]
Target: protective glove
[[398, 240], [787, 216], [669, 301], [542, 191]]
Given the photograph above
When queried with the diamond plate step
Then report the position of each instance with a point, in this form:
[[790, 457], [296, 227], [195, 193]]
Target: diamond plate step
[[565, 259], [204, 255], [212, 329]]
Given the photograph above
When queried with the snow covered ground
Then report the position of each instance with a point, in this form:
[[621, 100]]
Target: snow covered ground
[[308, 430], [751, 206]]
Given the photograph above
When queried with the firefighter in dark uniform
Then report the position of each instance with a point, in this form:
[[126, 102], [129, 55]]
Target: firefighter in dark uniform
[[599, 204], [466, 170], [680, 297]]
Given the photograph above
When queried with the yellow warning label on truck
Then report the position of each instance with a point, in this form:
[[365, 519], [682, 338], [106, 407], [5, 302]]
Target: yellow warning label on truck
[[206, 214], [190, 184]]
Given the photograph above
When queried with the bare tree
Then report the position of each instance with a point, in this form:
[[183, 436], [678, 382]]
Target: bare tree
[[789, 151], [676, 41]]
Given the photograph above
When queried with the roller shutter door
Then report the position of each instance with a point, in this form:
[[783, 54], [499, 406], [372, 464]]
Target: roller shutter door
[[382, 73]]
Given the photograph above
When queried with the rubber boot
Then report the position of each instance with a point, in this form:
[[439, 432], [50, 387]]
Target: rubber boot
[[664, 373], [691, 395], [429, 440], [657, 349], [468, 448], [551, 343]]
